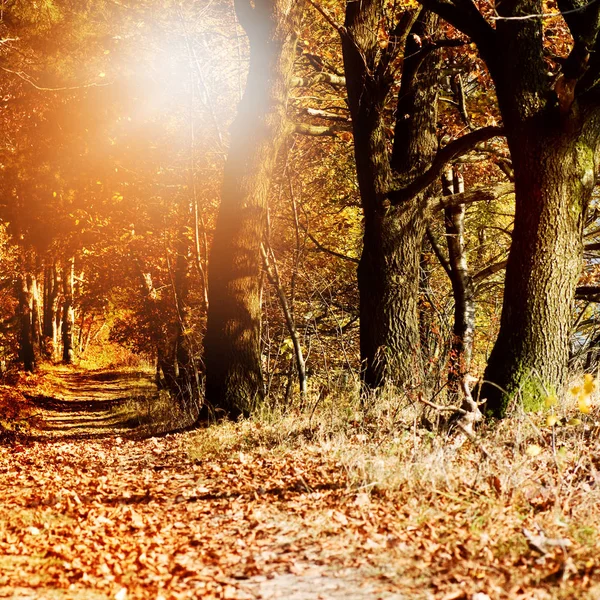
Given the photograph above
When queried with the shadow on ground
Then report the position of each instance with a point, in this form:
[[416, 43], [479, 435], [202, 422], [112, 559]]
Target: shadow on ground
[[86, 404]]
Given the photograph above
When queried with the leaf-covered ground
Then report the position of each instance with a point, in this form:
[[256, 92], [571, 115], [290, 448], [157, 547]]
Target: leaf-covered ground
[[255, 510]]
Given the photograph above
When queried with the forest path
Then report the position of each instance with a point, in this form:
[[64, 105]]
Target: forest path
[[80, 403], [123, 519]]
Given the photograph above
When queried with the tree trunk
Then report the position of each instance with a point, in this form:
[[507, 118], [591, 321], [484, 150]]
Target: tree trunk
[[51, 317], [68, 311], [27, 351], [187, 379], [36, 314], [554, 177], [234, 382], [552, 124], [463, 329], [388, 272], [388, 281]]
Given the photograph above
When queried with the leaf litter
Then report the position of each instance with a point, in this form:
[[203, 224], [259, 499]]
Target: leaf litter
[[231, 513]]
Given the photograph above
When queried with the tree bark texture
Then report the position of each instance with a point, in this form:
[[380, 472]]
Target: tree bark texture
[[388, 272], [553, 131], [553, 174], [234, 381]]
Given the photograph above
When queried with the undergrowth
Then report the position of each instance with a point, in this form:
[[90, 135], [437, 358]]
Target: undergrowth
[[532, 474]]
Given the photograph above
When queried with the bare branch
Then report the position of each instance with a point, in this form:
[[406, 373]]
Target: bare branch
[[588, 292], [482, 194], [320, 246], [465, 16], [325, 14], [438, 252], [489, 271], [320, 130], [324, 114], [330, 78], [448, 153]]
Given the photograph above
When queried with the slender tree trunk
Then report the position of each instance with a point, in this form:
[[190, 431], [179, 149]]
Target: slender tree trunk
[[51, 318], [234, 381], [463, 330], [36, 314], [188, 379], [554, 177], [270, 265], [68, 311], [27, 351]]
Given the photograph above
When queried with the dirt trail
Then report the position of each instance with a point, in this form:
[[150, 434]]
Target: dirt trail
[[228, 513], [125, 519], [120, 518], [91, 403]]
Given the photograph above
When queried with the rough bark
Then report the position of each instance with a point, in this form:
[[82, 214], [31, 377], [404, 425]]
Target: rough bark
[[552, 129], [388, 272], [234, 382], [552, 177]]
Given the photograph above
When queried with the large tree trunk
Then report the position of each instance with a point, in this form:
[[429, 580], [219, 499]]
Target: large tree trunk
[[388, 273], [388, 281], [553, 131], [234, 382], [554, 177]]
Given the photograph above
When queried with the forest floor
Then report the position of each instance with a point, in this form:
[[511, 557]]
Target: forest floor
[[326, 503]]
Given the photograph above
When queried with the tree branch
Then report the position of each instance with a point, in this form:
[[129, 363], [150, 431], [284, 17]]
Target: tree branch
[[591, 247], [465, 16], [482, 194], [588, 292], [320, 130], [320, 246], [329, 78], [325, 14], [448, 153], [324, 114], [489, 271], [438, 252]]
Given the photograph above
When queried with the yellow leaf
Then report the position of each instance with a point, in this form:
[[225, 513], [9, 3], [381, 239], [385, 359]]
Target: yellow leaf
[[574, 422], [585, 404], [552, 420], [533, 450], [551, 401], [575, 390], [589, 385]]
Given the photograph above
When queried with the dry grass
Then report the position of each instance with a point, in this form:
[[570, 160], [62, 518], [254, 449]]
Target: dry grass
[[461, 514]]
